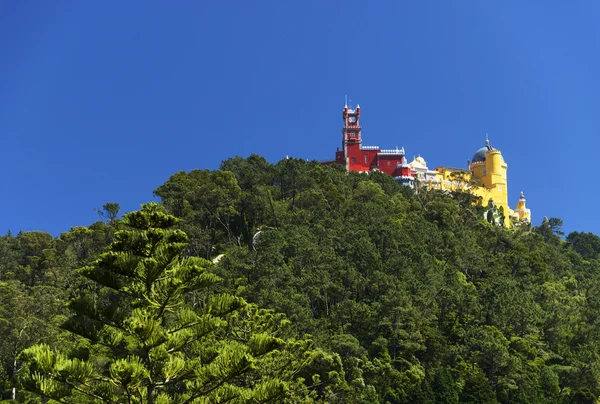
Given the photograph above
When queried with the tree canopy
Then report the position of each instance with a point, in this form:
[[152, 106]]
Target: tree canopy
[[144, 344], [312, 285]]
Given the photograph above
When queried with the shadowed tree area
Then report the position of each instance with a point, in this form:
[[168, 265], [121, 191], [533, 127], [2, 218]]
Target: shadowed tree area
[[143, 344]]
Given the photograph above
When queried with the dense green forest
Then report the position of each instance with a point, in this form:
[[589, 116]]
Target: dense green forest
[[295, 282]]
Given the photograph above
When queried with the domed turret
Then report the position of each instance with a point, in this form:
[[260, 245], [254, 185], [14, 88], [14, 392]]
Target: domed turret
[[479, 155], [521, 203], [522, 213], [418, 162], [488, 171]]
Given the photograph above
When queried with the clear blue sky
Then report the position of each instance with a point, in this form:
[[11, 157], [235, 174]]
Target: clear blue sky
[[103, 101]]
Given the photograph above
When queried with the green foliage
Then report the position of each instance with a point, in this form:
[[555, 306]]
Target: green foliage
[[109, 212], [147, 345], [422, 299], [408, 297], [585, 244], [36, 279]]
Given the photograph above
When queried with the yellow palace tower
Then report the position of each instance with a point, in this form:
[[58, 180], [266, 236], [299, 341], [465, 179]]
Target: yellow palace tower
[[488, 170], [485, 178]]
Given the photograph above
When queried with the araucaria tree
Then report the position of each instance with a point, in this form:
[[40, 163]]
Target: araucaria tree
[[155, 331]]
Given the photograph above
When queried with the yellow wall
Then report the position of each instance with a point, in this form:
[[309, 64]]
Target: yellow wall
[[484, 179]]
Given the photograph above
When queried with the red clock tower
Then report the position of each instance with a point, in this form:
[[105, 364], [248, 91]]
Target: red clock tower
[[353, 155], [356, 157]]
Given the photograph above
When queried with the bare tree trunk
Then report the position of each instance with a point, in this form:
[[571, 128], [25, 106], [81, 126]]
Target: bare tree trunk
[[15, 354], [14, 389]]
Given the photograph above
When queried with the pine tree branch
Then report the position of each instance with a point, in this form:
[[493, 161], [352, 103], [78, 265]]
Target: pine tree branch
[[219, 384]]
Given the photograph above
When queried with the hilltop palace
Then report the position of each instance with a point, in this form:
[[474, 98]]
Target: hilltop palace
[[485, 177]]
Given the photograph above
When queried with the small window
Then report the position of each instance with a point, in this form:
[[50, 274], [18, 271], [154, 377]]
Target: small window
[[365, 158], [353, 159]]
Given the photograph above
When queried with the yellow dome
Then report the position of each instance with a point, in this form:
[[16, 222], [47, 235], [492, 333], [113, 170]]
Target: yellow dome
[[418, 162]]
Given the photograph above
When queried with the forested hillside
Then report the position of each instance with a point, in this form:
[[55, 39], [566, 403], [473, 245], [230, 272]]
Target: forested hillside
[[379, 295]]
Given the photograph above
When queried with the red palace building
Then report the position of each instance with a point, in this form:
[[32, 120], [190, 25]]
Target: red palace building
[[356, 157]]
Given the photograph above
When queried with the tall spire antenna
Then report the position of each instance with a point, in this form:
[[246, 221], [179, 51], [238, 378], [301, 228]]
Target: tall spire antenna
[[346, 100]]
